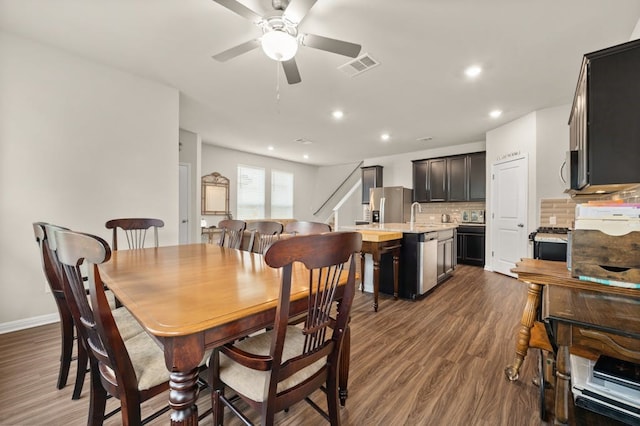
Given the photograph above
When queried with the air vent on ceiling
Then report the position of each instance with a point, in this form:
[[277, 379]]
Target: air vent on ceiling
[[359, 65]]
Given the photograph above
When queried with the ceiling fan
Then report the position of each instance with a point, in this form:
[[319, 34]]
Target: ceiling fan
[[280, 36]]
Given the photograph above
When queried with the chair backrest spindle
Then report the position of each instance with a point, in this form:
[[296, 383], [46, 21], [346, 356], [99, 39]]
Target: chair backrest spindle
[[232, 233], [135, 230]]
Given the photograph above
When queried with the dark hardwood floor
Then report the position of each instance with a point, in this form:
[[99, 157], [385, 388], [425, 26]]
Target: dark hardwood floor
[[436, 361]]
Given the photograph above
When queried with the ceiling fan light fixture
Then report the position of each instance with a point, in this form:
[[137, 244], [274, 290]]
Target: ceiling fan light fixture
[[279, 45]]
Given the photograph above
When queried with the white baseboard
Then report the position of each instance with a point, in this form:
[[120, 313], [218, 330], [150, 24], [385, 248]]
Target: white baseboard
[[22, 324], [488, 267]]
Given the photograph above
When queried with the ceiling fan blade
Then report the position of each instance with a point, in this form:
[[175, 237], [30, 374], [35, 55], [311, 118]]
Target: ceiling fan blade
[[297, 10], [331, 45], [240, 9], [237, 50], [291, 71]]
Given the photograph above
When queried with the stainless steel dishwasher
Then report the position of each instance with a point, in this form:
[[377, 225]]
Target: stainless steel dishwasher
[[427, 262]]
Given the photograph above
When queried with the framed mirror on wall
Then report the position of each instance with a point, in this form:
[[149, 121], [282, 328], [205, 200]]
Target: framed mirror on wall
[[215, 194]]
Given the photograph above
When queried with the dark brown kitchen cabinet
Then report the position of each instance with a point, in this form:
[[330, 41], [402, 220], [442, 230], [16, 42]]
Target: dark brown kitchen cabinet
[[477, 166], [457, 178], [471, 241], [603, 126], [453, 178], [420, 180], [437, 180], [371, 178], [446, 259]]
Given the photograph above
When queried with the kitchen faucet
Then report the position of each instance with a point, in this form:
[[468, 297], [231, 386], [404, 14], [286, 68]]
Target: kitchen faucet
[[413, 216]]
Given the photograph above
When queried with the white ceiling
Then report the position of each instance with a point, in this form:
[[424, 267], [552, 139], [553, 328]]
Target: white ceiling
[[530, 52]]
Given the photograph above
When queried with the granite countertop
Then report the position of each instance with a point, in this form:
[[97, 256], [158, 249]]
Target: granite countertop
[[402, 227]]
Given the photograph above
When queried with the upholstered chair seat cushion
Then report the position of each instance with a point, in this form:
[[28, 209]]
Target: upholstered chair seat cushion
[[127, 324], [251, 383], [147, 360]]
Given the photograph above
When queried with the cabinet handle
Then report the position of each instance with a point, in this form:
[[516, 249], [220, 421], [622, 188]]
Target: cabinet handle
[[521, 225]]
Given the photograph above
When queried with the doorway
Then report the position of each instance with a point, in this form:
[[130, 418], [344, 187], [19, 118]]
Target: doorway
[[509, 189], [184, 197]]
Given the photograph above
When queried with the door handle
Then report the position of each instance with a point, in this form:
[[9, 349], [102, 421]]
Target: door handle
[[521, 225], [184, 221]]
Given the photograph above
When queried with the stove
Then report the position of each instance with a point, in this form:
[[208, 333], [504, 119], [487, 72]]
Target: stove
[[550, 243]]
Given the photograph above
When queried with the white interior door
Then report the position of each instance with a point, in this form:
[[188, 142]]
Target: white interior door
[[509, 214], [184, 200]]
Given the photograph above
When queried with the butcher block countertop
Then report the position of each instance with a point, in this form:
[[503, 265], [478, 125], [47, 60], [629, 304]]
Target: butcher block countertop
[[417, 228], [376, 236]]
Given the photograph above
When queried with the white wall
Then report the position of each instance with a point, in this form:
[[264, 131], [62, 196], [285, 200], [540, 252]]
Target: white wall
[[226, 161], [636, 31], [552, 144], [80, 143], [329, 178]]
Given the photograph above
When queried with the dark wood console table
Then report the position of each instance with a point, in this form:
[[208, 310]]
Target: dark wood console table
[[589, 319], [378, 243]]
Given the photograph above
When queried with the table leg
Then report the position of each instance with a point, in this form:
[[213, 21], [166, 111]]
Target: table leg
[[183, 394], [524, 333], [182, 357], [563, 374], [362, 272], [376, 281], [345, 354], [396, 267]]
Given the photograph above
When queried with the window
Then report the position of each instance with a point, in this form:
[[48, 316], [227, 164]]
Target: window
[[250, 192], [281, 195]]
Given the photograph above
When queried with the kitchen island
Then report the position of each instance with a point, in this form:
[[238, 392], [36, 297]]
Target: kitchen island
[[376, 243], [427, 257]]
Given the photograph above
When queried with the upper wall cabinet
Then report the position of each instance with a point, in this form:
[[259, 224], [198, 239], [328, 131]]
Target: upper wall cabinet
[[371, 178], [604, 125], [455, 178], [476, 173]]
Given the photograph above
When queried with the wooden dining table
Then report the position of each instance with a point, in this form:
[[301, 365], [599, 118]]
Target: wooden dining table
[[196, 297]]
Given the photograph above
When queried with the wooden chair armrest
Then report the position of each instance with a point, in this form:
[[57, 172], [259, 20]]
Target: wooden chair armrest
[[249, 360]]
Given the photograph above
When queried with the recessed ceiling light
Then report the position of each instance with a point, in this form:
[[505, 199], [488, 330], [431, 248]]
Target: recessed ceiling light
[[385, 136], [473, 71], [305, 156], [495, 113], [270, 148], [337, 114]]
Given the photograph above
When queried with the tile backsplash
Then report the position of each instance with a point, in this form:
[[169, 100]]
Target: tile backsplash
[[432, 212], [561, 211]]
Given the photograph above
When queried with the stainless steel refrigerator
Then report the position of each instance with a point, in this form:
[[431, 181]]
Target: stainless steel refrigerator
[[390, 204]]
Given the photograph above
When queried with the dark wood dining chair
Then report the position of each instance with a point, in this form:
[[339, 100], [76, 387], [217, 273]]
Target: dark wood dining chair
[[263, 234], [126, 323], [232, 233], [67, 329], [135, 230], [131, 370], [272, 371], [306, 228]]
